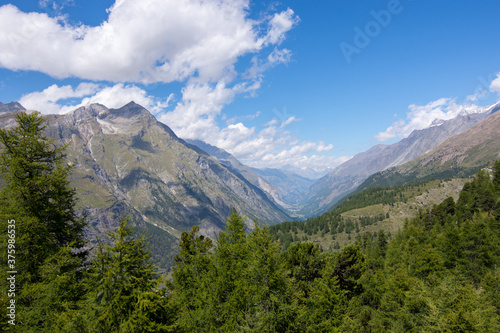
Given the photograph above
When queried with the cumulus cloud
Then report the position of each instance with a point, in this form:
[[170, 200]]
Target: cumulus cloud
[[196, 117], [495, 84], [55, 99], [194, 42], [47, 101], [142, 41], [421, 117]]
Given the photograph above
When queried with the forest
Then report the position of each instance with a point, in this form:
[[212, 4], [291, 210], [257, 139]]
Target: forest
[[438, 274]]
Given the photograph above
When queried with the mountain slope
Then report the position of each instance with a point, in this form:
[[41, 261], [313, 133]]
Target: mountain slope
[[283, 187], [126, 162], [290, 185], [349, 175], [458, 156], [234, 164], [162, 177]]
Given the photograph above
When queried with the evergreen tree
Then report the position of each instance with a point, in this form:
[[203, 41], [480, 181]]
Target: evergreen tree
[[191, 281], [49, 235], [496, 176], [37, 186], [124, 290]]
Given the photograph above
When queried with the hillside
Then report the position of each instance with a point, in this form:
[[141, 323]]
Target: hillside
[[460, 155], [351, 174], [126, 162], [369, 211]]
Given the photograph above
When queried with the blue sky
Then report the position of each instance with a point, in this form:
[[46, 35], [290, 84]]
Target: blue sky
[[305, 83]]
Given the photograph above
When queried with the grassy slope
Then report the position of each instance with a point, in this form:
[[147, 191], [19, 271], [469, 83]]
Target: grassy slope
[[413, 199]]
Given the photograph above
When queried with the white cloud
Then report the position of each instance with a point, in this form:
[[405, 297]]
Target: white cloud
[[289, 121], [46, 101], [247, 117], [495, 84], [196, 117], [478, 94], [142, 41], [279, 25], [55, 6], [194, 42], [57, 99], [275, 58], [315, 162], [421, 117]]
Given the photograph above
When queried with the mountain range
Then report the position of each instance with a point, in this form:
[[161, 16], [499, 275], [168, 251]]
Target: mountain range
[[348, 176], [458, 156], [284, 187], [128, 163]]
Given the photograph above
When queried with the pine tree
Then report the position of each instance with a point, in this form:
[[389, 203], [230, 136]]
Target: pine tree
[[496, 176], [37, 193], [124, 289], [49, 235]]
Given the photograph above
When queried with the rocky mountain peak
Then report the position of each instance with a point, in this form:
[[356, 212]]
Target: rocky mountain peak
[[11, 107]]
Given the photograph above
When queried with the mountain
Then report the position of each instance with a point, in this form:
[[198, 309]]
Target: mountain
[[11, 107], [236, 166], [290, 185], [126, 162], [458, 156], [308, 173], [283, 187], [349, 175]]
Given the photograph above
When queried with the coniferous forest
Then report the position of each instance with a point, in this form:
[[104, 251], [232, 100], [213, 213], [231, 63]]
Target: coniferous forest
[[438, 274]]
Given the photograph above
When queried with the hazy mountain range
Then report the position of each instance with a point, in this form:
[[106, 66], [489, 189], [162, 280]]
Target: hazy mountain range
[[458, 156], [284, 187], [349, 175]]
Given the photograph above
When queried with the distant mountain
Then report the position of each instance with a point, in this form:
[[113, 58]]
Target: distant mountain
[[11, 107], [126, 162], [458, 156], [290, 185], [308, 173], [234, 164], [283, 187], [349, 175]]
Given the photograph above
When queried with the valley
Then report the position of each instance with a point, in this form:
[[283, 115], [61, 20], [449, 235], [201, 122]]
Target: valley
[[127, 163]]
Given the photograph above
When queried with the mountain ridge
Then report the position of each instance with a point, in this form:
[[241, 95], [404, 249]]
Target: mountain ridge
[[459, 155], [128, 163], [348, 176], [284, 187]]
